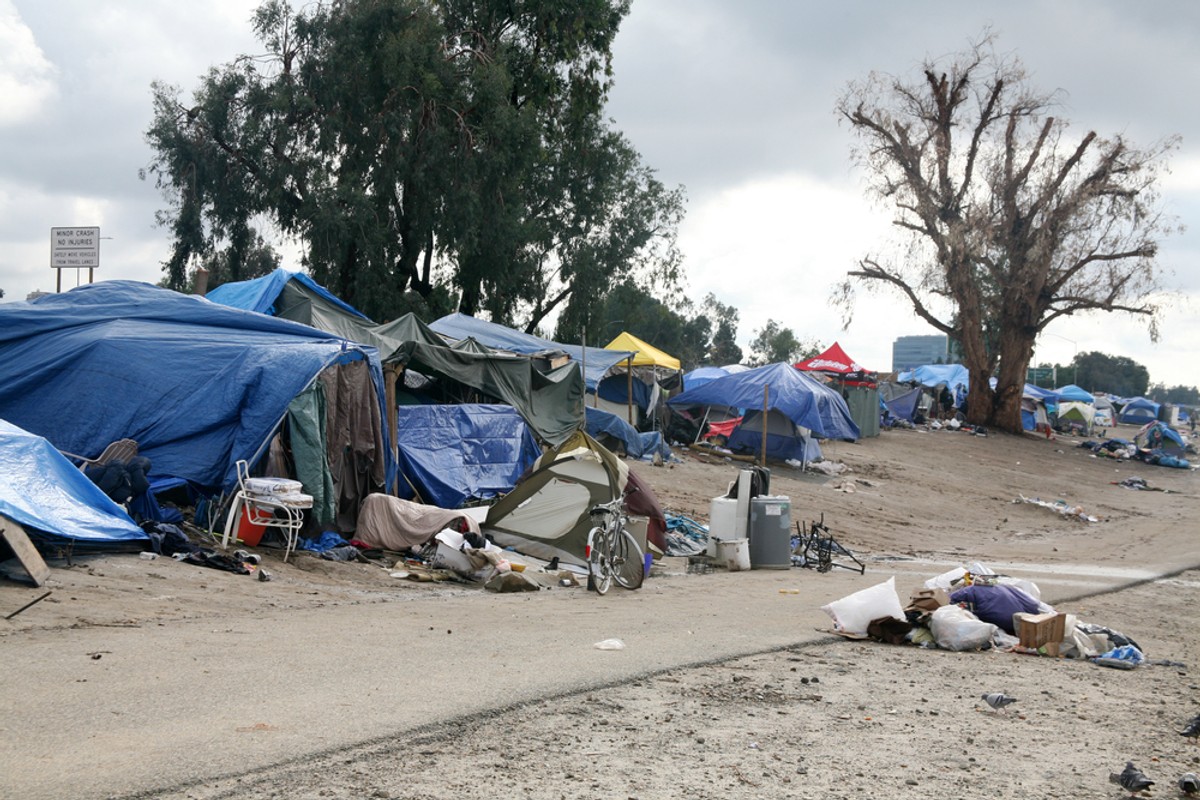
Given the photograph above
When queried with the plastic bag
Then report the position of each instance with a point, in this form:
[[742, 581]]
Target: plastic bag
[[955, 628], [610, 644], [854, 612]]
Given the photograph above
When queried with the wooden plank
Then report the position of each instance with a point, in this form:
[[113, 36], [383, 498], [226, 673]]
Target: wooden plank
[[26, 553]]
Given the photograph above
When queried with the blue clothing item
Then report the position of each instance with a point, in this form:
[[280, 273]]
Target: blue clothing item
[[996, 604], [1125, 653], [326, 541]]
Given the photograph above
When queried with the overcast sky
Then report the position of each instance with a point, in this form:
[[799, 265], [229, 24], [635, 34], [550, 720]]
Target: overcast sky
[[734, 101]]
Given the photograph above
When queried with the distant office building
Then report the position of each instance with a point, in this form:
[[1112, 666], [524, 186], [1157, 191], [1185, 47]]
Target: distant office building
[[909, 352], [35, 295]]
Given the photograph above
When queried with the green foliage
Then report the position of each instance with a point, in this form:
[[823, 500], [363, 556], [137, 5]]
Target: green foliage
[[1179, 395], [723, 348], [1099, 372], [683, 331], [454, 150], [774, 343]]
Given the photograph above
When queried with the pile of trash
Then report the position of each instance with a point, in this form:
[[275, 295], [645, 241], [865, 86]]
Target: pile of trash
[[976, 609], [1060, 507]]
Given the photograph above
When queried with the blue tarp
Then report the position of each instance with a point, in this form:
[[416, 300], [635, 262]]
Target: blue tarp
[[637, 445], [54, 501], [460, 326], [953, 375], [903, 406], [702, 375], [453, 453], [260, 294], [1139, 410], [1073, 394], [196, 384], [803, 399]]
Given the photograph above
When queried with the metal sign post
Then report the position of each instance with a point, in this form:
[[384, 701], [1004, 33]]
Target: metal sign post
[[75, 248]]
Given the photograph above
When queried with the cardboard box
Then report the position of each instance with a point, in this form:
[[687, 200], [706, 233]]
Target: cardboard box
[[1041, 630]]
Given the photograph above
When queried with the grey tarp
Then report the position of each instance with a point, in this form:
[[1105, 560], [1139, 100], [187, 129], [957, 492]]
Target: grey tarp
[[392, 523], [551, 403], [355, 446]]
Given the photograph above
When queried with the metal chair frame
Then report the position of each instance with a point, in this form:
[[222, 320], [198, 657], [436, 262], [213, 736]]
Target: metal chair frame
[[260, 509]]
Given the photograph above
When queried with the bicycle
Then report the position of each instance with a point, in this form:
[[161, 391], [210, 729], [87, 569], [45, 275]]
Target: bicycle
[[613, 555]]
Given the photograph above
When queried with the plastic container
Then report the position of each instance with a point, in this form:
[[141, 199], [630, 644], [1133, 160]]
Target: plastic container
[[247, 532], [273, 486], [722, 522], [734, 554], [770, 532]]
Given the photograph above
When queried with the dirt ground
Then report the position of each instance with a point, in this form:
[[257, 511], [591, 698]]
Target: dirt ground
[[831, 718]]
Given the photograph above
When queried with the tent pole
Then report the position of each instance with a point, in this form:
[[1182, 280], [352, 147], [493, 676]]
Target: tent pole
[[766, 398], [703, 422], [629, 388], [389, 379]]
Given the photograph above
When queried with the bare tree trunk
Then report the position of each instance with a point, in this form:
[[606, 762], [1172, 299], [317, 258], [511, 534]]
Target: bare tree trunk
[[1015, 352]]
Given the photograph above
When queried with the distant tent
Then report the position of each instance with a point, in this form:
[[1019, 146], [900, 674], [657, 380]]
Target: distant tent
[[56, 504], [900, 401], [835, 362], [454, 453], [1160, 436], [1139, 411], [1076, 412], [808, 404], [640, 382], [953, 376], [1034, 414], [499, 337], [1073, 393], [546, 515], [857, 385], [702, 375]]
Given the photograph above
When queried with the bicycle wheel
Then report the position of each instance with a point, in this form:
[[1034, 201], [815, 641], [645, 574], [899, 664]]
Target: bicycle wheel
[[628, 561], [600, 561]]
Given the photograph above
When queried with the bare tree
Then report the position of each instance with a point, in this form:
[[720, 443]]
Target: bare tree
[[1011, 221]]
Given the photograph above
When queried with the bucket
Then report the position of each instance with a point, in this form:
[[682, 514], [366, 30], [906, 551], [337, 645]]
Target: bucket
[[722, 522], [734, 554], [248, 533]]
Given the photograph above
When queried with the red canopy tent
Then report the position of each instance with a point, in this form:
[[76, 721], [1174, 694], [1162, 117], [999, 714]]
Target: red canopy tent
[[835, 362]]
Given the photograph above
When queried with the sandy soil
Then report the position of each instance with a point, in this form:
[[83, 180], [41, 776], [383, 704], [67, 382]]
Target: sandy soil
[[832, 718]]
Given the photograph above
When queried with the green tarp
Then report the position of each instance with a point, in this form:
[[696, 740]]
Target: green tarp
[[551, 403]]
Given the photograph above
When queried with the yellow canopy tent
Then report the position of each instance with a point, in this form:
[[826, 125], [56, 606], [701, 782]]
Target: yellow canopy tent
[[650, 364], [645, 355]]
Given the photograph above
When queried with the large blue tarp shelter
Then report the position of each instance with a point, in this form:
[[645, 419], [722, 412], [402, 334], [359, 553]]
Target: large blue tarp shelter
[[596, 361], [197, 385], [952, 375], [455, 453], [801, 398], [263, 294], [54, 501]]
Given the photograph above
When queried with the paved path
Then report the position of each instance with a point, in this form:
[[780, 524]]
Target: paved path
[[170, 705]]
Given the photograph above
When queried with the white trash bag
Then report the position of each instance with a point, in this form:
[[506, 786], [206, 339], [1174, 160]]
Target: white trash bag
[[955, 628], [853, 613]]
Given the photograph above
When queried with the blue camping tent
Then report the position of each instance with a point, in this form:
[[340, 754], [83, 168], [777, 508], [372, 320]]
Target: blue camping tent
[[1139, 411], [702, 375], [454, 453], [197, 385], [799, 397], [599, 360], [54, 501], [1073, 394]]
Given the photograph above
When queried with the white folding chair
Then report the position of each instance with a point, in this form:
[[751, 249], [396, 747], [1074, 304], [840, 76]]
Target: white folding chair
[[259, 504]]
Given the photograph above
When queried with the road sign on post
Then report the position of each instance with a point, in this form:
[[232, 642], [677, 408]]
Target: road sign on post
[[74, 248]]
